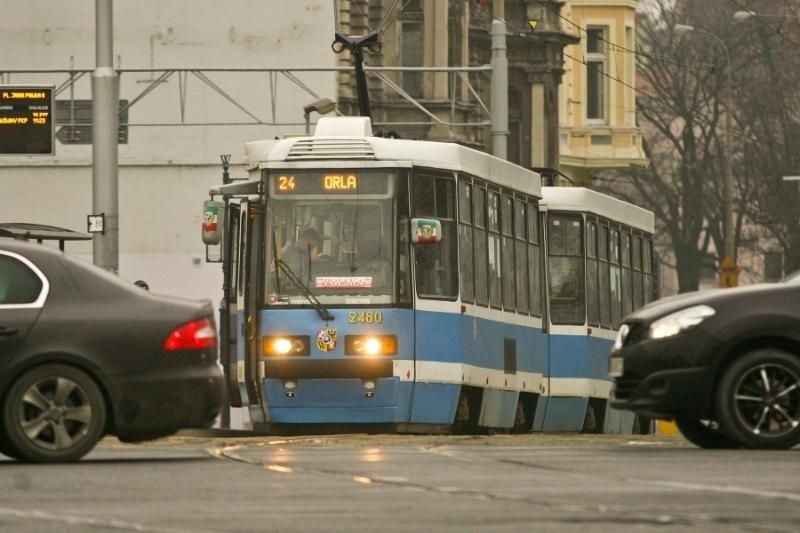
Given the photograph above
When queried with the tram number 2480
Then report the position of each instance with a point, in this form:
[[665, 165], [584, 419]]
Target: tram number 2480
[[364, 317]]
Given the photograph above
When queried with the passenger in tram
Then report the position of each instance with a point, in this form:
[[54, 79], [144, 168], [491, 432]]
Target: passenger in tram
[[372, 262]]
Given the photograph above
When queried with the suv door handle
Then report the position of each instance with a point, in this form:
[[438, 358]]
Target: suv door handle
[[7, 332]]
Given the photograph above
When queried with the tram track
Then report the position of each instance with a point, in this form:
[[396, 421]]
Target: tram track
[[566, 512]]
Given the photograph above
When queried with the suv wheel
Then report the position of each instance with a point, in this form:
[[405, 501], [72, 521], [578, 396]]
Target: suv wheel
[[758, 400], [53, 413], [705, 433]]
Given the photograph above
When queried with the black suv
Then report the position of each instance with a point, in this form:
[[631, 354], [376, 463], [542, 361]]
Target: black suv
[[724, 364]]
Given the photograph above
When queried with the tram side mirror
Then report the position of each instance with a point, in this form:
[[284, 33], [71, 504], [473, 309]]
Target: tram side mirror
[[213, 214], [426, 231]]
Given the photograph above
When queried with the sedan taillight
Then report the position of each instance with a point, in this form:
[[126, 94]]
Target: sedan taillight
[[191, 336]]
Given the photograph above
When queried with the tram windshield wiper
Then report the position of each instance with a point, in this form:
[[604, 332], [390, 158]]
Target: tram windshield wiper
[[297, 282]]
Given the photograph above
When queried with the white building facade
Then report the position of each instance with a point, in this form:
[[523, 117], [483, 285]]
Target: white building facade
[[183, 115]]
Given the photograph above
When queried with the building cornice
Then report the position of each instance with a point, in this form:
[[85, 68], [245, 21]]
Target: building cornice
[[633, 4], [601, 162]]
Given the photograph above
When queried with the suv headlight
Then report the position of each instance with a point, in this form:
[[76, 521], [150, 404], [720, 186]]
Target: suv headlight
[[679, 321]]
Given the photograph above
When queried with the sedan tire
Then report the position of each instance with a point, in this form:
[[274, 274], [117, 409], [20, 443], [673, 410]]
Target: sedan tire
[[758, 399], [53, 413], [703, 433]]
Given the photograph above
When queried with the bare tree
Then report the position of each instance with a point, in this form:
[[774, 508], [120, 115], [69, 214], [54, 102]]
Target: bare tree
[[679, 109], [767, 100]]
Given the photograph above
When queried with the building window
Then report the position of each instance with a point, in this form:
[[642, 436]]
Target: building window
[[411, 56], [596, 80]]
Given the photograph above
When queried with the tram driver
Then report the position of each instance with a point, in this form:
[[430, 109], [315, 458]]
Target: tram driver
[[298, 255]]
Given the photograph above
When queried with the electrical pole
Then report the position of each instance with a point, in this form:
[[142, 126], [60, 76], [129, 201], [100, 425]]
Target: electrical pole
[[499, 87], [105, 133]]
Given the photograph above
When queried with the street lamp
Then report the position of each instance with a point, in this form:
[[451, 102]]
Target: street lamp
[[741, 16], [729, 246], [795, 179], [321, 106]]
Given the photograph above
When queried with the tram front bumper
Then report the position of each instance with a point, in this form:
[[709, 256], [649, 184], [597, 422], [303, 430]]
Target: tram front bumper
[[335, 400]]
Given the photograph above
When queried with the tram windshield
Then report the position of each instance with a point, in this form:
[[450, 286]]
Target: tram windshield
[[335, 230]]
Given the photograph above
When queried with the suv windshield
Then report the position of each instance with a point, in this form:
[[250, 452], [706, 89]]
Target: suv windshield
[[335, 231]]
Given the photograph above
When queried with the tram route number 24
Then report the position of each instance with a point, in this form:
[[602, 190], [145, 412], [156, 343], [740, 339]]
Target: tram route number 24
[[364, 317]]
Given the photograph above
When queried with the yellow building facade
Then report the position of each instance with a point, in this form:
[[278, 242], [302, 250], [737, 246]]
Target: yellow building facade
[[590, 96], [597, 99]]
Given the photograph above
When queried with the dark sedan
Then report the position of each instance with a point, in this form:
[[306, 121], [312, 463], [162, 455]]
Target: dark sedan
[[84, 353], [724, 364]]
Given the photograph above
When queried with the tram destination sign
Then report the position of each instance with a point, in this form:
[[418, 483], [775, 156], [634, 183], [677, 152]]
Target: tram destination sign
[[26, 120], [329, 182]]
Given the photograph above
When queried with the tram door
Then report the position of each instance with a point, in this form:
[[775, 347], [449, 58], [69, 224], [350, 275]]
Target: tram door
[[229, 318], [249, 374]]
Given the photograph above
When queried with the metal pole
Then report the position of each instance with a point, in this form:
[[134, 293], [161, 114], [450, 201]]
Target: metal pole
[[105, 130], [224, 313], [499, 89], [727, 183], [361, 82]]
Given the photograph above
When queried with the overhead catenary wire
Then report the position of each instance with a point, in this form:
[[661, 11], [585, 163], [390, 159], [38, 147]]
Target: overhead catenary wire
[[583, 62], [619, 47], [609, 76]]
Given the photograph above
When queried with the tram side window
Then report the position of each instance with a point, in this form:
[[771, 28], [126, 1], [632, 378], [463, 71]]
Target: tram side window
[[647, 267], [481, 258], [627, 275], [636, 251], [234, 251], [465, 240], [437, 264], [495, 268], [404, 289], [605, 290], [566, 270], [616, 279], [242, 254], [534, 260], [521, 257], [592, 282], [508, 264]]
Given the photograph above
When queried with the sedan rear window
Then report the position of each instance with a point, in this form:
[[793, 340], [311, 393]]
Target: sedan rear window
[[18, 283]]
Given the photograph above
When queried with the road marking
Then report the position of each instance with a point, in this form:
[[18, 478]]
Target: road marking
[[728, 489], [109, 523]]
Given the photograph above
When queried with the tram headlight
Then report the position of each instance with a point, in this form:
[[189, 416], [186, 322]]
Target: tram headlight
[[285, 345], [370, 345]]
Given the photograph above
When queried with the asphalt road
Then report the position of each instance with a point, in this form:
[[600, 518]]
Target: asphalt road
[[406, 483]]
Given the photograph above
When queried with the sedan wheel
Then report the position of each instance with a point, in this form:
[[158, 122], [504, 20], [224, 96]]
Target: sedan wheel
[[758, 401], [54, 413]]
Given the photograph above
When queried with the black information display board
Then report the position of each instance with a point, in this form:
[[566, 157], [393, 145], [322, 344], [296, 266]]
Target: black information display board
[[26, 119]]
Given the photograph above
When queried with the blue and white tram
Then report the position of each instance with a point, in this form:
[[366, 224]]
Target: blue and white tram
[[406, 284], [599, 268]]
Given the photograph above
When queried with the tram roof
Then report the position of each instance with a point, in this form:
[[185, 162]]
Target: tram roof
[[350, 140], [589, 201]]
